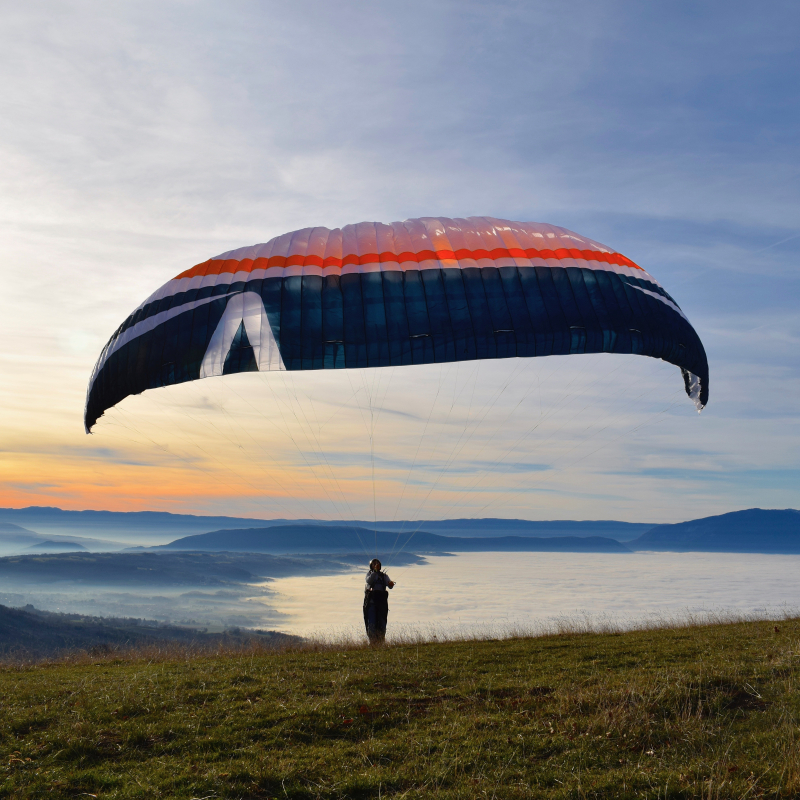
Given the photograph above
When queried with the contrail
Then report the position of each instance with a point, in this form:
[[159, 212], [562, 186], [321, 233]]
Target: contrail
[[782, 241]]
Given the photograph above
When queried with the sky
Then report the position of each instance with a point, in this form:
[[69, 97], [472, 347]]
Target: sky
[[138, 139]]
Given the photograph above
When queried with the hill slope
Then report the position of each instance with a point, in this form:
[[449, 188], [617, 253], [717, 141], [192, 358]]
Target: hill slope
[[330, 539], [695, 712], [28, 633], [756, 530]]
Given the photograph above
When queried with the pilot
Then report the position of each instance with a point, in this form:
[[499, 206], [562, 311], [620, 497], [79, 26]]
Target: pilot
[[376, 602]]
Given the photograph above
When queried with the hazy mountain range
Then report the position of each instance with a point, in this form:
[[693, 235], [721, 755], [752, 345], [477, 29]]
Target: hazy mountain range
[[38, 529], [117, 529], [753, 531], [352, 539], [16, 539]]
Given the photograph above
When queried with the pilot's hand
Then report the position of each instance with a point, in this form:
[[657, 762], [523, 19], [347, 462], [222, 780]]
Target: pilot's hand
[[391, 584]]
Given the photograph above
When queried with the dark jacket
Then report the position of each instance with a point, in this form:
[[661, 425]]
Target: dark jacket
[[377, 581]]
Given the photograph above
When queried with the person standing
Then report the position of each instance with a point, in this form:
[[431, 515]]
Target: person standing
[[376, 602]]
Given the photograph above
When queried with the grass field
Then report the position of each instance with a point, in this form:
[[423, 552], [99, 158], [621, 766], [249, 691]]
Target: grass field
[[707, 711]]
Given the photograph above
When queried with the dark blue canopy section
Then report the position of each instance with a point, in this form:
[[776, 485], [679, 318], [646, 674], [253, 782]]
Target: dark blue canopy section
[[395, 318]]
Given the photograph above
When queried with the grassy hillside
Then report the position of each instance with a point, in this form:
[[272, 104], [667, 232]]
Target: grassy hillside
[[696, 712], [28, 635]]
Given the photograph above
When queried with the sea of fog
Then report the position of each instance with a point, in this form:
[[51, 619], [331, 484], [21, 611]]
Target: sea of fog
[[474, 593], [500, 593]]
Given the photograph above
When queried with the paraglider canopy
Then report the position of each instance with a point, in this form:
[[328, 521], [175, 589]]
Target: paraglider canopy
[[427, 290]]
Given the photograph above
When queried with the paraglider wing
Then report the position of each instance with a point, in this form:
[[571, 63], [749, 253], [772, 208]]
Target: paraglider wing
[[422, 291]]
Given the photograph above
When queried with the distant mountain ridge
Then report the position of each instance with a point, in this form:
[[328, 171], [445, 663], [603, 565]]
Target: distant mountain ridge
[[140, 526], [48, 546], [751, 531], [11, 534], [300, 539], [755, 530], [16, 539], [125, 524]]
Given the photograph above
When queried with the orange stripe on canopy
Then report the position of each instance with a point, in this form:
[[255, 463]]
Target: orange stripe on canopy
[[221, 266]]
